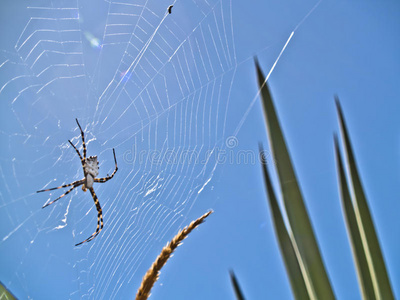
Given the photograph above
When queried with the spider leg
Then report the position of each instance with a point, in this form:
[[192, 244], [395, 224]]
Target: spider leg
[[112, 175], [77, 151], [66, 193], [75, 184], [99, 218], [83, 139]]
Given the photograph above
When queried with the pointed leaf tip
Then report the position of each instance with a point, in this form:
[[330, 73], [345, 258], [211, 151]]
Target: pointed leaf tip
[[303, 234], [256, 62], [335, 140], [236, 287], [365, 225], [260, 147], [339, 109]]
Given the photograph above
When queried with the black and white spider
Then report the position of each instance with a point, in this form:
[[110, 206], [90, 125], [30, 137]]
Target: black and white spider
[[90, 167]]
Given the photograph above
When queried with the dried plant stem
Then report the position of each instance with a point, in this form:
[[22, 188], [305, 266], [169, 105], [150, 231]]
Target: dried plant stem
[[153, 273]]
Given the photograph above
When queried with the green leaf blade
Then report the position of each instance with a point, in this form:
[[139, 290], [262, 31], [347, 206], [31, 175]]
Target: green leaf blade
[[293, 200], [376, 264], [5, 294], [364, 276], [293, 269], [236, 287]]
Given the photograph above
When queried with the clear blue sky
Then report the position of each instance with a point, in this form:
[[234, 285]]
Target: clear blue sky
[[152, 85]]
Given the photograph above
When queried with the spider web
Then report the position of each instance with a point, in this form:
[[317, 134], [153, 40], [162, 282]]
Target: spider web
[[154, 86]]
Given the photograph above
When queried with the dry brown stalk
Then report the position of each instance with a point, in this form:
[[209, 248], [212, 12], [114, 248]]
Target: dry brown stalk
[[153, 273]]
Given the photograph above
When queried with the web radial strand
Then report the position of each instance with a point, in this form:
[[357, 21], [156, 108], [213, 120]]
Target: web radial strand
[[154, 86]]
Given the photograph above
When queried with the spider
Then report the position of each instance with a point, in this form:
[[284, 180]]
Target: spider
[[90, 167]]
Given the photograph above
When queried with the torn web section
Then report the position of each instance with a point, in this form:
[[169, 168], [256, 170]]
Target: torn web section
[[164, 111]]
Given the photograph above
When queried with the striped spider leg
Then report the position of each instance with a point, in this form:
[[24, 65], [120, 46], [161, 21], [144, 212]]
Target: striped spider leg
[[90, 167], [74, 185]]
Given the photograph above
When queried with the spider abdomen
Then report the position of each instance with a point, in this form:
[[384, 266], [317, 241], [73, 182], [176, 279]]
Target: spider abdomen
[[92, 166], [91, 171]]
